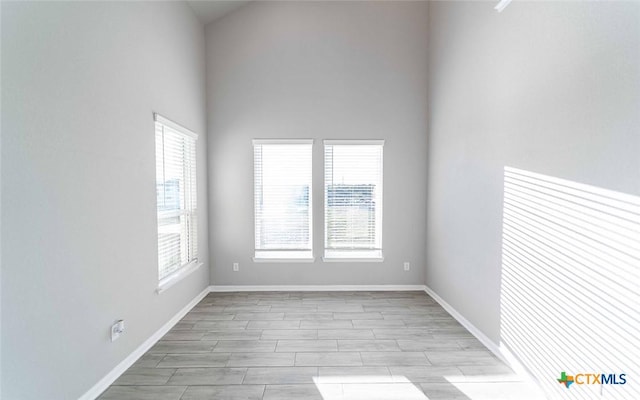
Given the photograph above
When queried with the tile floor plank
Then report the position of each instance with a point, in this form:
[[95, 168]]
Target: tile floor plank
[[332, 359], [388, 358], [194, 360], [145, 376], [280, 375], [273, 325], [268, 334], [306, 345], [207, 376], [368, 345], [225, 392], [181, 347], [233, 334], [261, 360], [360, 334], [303, 392], [245, 346], [143, 393]]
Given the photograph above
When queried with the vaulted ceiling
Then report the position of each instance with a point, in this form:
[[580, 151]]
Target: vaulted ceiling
[[210, 10]]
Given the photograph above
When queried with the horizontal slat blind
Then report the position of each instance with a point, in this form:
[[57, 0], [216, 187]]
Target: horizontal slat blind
[[176, 199], [282, 195], [353, 199]]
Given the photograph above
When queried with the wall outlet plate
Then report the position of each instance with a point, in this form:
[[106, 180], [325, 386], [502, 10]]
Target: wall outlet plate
[[236, 267], [117, 329], [407, 266]]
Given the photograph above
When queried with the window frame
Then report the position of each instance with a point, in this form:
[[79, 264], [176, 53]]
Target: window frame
[[193, 263], [354, 254], [280, 255]]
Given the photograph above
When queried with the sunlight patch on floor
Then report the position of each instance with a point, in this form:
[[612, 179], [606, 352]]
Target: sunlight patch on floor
[[368, 387]]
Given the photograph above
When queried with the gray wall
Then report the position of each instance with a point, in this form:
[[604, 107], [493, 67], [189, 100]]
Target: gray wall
[[0, 214], [321, 70], [79, 84], [546, 87]]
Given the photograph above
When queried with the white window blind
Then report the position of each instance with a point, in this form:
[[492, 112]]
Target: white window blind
[[282, 195], [176, 197], [353, 199]]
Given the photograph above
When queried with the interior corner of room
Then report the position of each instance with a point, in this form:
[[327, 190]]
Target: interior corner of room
[[270, 200]]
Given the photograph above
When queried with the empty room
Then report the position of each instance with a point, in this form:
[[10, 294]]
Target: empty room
[[328, 200]]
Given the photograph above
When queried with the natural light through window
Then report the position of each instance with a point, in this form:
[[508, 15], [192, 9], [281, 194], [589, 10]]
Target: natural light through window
[[370, 387], [353, 199], [283, 199], [176, 197], [570, 298], [485, 384]]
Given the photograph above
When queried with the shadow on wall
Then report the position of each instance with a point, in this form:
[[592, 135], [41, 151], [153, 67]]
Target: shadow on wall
[[570, 292]]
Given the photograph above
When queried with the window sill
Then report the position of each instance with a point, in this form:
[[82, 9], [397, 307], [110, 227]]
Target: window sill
[[284, 260], [353, 255], [177, 276], [347, 259]]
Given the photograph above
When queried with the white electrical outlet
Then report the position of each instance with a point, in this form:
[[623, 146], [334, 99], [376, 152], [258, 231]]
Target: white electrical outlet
[[407, 266], [236, 267], [116, 330]]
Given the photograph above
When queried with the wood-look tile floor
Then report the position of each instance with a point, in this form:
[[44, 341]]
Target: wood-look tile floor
[[318, 345]]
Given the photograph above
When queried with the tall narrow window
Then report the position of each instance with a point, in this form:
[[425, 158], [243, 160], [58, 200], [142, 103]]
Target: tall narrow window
[[353, 199], [176, 197], [282, 195]]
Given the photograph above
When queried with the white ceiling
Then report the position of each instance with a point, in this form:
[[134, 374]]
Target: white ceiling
[[210, 10]]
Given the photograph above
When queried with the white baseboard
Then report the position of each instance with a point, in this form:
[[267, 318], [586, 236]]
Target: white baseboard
[[314, 288], [501, 351], [484, 339], [115, 373]]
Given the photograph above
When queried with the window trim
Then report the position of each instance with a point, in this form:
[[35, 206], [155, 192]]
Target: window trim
[[353, 142], [352, 260], [299, 256], [377, 255], [281, 141], [174, 125], [191, 266], [178, 275], [283, 260]]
